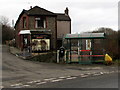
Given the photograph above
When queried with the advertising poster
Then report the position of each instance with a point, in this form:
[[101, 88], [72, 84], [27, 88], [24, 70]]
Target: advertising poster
[[41, 44]]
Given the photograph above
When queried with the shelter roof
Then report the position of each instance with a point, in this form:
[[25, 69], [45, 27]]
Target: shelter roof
[[85, 36]]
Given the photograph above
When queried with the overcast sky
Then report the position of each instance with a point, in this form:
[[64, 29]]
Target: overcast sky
[[86, 15]]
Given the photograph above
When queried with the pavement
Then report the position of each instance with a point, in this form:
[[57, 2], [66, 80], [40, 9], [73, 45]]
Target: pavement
[[22, 54], [26, 72]]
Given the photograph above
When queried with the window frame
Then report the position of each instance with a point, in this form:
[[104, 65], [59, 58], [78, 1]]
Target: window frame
[[24, 22], [43, 20]]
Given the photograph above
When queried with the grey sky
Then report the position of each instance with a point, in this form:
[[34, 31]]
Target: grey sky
[[86, 15]]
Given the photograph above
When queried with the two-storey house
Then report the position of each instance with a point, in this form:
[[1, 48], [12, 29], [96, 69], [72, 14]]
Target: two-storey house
[[40, 30]]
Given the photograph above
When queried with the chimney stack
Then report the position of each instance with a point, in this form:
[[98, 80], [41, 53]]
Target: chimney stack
[[66, 11], [30, 7]]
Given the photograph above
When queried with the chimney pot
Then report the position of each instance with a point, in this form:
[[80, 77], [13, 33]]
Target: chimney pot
[[30, 7], [66, 11]]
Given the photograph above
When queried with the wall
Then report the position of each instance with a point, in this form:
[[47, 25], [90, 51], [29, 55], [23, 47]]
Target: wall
[[50, 25], [63, 28]]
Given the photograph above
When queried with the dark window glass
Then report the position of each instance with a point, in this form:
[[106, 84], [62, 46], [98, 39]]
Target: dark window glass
[[40, 22], [24, 22]]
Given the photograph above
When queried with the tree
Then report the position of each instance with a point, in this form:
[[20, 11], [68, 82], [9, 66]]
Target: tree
[[7, 30], [4, 21], [111, 41]]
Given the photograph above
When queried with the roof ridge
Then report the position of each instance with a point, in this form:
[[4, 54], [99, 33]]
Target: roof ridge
[[41, 9]]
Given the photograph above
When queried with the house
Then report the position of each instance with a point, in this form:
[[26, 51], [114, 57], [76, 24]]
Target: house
[[63, 26], [41, 29]]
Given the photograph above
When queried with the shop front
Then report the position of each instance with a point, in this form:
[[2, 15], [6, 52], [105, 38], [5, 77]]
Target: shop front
[[35, 41], [40, 43]]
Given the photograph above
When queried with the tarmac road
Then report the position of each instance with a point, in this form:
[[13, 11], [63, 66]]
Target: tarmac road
[[102, 81], [17, 72]]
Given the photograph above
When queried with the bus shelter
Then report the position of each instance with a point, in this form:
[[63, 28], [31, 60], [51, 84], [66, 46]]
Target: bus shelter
[[85, 48]]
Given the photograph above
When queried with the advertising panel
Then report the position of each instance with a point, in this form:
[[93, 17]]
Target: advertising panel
[[41, 44]]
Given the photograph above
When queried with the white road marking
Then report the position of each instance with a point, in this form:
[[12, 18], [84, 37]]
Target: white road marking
[[96, 74], [84, 76], [57, 80], [101, 73], [16, 84], [107, 72], [113, 71], [26, 85], [88, 73], [41, 83], [30, 82], [71, 78], [33, 81], [81, 74], [49, 79], [68, 76], [62, 77]]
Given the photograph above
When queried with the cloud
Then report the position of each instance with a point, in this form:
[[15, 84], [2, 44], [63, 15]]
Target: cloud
[[85, 14]]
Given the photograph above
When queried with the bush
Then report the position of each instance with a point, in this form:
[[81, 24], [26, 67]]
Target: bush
[[49, 57]]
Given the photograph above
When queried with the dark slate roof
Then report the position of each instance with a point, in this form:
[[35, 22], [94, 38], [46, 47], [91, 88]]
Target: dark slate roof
[[39, 11], [63, 17]]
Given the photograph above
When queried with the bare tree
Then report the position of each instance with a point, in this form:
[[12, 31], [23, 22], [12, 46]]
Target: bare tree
[[7, 31], [111, 41], [4, 20]]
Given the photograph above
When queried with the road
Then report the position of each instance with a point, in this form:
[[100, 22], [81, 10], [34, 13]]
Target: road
[[20, 73], [102, 81]]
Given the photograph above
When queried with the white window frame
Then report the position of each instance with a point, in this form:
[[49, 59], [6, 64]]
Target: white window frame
[[36, 22]]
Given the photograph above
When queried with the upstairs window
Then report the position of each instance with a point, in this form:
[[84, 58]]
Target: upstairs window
[[24, 22], [40, 22]]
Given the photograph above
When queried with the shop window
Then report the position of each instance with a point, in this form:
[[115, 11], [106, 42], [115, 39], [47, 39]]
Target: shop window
[[40, 45], [24, 22], [40, 22]]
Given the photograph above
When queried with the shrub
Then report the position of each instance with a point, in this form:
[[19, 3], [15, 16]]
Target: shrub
[[49, 57]]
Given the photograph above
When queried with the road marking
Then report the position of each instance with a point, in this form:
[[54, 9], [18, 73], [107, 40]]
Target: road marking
[[30, 82], [96, 74], [41, 83], [68, 76], [101, 73], [36, 81], [57, 80], [16, 84], [49, 79], [26, 85], [71, 78], [33, 81], [81, 74], [84, 76], [113, 71], [62, 77], [107, 72], [88, 73]]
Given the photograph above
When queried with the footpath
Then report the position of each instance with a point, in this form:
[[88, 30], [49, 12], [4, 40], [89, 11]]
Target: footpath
[[92, 67], [21, 54]]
